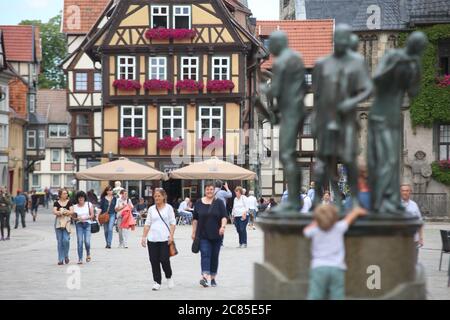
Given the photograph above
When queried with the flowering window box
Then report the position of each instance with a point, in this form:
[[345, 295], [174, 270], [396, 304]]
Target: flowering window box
[[131, 143], [444, 81], [189, 85], [127, 85], [220, 85], [165, 34], [168, 143], [157, 85], [204, 142]]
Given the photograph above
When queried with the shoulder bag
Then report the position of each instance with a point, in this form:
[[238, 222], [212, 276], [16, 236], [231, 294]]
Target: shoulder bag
[[104, 216], [173, 251], [196, 243]]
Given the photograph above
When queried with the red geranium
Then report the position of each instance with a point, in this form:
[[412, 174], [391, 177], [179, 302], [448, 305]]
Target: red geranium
[[444, 164], [190, 85], [204, 142], [444, 81], [167, 143], [155, 84], [131, 143], [164, 34], [220, 85], [128, 85]]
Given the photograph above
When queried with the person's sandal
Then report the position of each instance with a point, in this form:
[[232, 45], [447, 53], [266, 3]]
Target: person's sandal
[[204, 282], [88, 259]]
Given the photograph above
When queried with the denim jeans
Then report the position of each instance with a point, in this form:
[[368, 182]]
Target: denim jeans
[[209, 250], [241, 228], [326, 283], [83, 237], [108, 228], [63, 238], [20, 214]]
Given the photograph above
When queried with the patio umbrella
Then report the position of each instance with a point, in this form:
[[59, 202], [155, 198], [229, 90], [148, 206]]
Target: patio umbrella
[[122, 169], [213, 168]]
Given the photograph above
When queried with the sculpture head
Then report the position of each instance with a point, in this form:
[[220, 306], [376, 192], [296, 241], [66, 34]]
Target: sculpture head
[[342, 35], [416, 44], [420, 155], [117, 184], [354, 42], [278, 41]]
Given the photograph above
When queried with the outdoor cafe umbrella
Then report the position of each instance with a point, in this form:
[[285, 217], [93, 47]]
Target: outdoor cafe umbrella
[[122, 169], [213, 168]]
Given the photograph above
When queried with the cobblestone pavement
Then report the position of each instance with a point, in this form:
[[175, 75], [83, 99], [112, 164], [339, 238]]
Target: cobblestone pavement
[[28, 266]]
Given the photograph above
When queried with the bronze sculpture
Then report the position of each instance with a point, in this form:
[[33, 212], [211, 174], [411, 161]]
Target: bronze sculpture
[[398, 73], [340, 81], [285, 96]]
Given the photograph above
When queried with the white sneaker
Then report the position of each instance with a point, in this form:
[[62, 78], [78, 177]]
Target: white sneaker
[[170, 283], [156, 287]]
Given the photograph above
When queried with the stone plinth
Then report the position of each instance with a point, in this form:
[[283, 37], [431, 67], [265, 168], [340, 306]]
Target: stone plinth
[[376, 246]]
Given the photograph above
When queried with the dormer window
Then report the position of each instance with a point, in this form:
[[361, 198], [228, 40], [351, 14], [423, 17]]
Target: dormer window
[[160, 16], [182, 17]]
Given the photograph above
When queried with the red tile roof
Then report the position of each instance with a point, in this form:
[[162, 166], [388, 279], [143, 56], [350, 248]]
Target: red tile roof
[[52, 104], [88, 10], [19, 43], [312, 38]]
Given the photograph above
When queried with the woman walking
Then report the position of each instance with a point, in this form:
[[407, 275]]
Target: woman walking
[[240, 216], [108, 205], [158, 236], [63, 210], [84, 214], [208, 225], [123, 203], [5, 214]]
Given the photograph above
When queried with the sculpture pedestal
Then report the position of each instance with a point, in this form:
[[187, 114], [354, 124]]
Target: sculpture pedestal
[[380, 257]]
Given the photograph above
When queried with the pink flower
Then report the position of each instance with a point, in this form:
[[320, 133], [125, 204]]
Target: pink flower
[[443, 81], [155, 84], [131, 143], [190, 85], [127, 85], [164, 34], [167, 143], [204, 142], [220, 85]]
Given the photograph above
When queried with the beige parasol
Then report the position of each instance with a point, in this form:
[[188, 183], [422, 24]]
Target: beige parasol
[[122, 169], [213, 168]]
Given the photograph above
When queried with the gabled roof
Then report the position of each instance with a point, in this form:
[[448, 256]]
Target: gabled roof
[[3, 65], [238, 5], [311, 38], [429, 11], [22, 43], [52, 105], [89, 11]]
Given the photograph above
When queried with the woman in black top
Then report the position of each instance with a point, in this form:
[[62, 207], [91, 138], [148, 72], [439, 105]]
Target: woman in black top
[[210, 218]]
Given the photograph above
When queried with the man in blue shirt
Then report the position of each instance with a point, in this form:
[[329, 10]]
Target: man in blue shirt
[[20, 202], [312, 191]]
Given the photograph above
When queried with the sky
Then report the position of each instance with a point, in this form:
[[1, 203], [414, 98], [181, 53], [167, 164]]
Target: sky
[[14, 11]]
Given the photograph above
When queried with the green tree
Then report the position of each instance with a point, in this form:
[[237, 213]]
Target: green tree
[[54, 50]]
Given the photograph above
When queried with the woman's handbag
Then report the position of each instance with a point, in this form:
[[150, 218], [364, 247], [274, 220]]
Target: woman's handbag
[[104, 216], [95, 227], [173, 251], [196, 243]]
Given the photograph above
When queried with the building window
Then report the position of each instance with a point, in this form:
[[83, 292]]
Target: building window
[[132, 122], [42, 136], [189, 68], [56, 180], [35, 180], [82, 125], [307, 126], [308, 79], [69, 179], [182, 17], [97, 81], [126, 68], [221, 68], [444, 142], [211, 122], [160, 17], [68, 156], [4, 102], [81, 81], [31, 139], [444, 56], [58, 131], [56, 155], [172, 122], [32, 103], [3, 136], [158, 68]]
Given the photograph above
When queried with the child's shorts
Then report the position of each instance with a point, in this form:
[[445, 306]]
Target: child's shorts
[[326, 283]]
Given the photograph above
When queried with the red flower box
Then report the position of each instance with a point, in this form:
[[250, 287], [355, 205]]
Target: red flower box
[[128, 85], [190, 85], [444, 81], [131, 143], [155, 85], [167, 143], [220, 85], [206, 142], [444, 164], [165, 34]]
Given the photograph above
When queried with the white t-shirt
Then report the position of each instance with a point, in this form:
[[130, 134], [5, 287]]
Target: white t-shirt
[[158, 230], [83, 212], [121, 202], [412, 208], [251, 202], [239, 206], [183, 207], [327, 248], [307, 204]]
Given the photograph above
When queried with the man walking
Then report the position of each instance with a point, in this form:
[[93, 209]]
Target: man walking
[[412, 208], [20, 202]]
